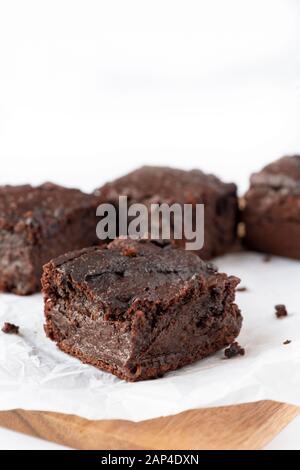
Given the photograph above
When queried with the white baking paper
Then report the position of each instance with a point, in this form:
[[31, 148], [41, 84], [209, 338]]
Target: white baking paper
[[35, 375]]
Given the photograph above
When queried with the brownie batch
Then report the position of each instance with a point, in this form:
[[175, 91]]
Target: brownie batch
[[272, 212], [141, 308], [149, 185], [38, 224]]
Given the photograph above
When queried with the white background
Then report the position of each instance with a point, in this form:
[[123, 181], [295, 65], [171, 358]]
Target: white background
[[92, 89]]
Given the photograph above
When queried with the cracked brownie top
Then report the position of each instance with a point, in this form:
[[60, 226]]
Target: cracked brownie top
[[125, 273]]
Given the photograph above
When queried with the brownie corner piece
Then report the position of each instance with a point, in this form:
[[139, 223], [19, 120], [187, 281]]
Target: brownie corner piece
[[37, 224], [272, 210], [155, 184], [137, 309]]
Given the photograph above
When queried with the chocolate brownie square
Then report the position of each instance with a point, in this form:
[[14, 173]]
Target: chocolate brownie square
[[272, 209], [38, 224], [159, 185], [138, 309]]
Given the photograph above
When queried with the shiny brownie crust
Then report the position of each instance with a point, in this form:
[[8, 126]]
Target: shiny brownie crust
[[272, 211], [149, 184], [137, 309], [38, 224]]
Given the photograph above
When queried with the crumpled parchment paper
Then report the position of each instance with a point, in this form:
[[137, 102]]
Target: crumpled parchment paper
[[35, 375]]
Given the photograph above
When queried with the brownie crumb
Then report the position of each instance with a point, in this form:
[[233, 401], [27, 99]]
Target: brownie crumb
[[242, 289], [234, 350], [267, 258], [281, 311], [288, 341], [10, 328]]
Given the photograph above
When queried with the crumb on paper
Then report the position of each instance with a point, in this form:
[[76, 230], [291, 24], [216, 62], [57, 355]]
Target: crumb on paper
[[10, 328], [242, 289], [267, 258], [281, 311], [288, 341], [234, 350]]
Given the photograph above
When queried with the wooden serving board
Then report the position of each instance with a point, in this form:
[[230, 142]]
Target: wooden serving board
[[247, 427]]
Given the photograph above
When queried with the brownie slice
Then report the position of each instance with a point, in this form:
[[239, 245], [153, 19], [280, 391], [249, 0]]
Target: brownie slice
[[167, 185], [272, 211], [38, 224], [137, 309]]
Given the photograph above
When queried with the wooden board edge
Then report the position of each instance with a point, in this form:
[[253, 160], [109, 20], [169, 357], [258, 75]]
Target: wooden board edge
[[240, 427]]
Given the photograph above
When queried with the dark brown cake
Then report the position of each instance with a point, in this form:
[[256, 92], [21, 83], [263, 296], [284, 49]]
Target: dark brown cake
[[272, 212], [37, 224], [166, 185], [138, 309]]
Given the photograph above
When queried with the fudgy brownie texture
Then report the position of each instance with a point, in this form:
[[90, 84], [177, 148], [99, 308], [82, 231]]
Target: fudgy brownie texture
[[272, 212], [137, 309], [158, 185], [38, 224]]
